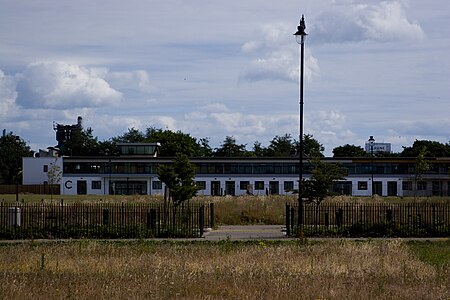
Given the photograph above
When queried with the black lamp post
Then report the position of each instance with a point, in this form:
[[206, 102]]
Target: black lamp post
[[18, 166], [371, 142], [300, 37]]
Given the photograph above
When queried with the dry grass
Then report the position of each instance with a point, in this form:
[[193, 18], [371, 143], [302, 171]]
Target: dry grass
[[330, 270]]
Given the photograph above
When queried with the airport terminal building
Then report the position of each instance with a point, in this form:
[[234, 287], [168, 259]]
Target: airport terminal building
[[133, 171]]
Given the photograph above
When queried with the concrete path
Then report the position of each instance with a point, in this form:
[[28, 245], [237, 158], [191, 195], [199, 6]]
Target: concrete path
[[253, 232]]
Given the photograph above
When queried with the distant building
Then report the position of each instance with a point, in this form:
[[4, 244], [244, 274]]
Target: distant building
[[378, 147]]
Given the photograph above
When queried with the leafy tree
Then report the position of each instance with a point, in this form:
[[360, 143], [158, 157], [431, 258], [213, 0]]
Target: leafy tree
[[12, 149], [229, 148], [258, 150], [82, 143], [54, 175], [349, 151], [179, 178], [132, 136], [433, 149], [205, 150], [318, 187], [421, 166], [311, 147], [173, 143], [281, 146]]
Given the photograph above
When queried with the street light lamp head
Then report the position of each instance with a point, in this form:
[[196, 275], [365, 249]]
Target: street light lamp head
[[300, 35]]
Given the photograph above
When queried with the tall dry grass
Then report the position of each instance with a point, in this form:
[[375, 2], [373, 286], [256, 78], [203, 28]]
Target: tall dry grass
[[330, 270]]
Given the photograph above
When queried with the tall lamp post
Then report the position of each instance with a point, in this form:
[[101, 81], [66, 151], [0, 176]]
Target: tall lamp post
[[371, 142], [18, 166], [300, 37]]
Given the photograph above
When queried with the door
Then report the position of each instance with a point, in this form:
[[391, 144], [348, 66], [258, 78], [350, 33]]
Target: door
[[81, 187], [274, 187], [377, 188], [230, 188], [215, 188], [392, 188]]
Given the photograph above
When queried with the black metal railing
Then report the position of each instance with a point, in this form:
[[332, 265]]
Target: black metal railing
[[100, 220], [369, 220]]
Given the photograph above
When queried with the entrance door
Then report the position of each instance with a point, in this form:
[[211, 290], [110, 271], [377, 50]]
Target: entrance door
[[81, 187], [377, 188], [392, 188], [274, 187], [230, 188], [215, 188]]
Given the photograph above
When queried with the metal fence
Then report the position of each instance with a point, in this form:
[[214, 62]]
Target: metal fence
[[369, 220], [123, 220]]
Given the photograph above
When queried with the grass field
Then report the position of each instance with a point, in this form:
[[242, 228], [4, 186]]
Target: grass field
[[236, 270]]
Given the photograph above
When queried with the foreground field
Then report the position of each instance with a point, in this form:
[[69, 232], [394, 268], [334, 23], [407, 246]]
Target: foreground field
[[257, 270]]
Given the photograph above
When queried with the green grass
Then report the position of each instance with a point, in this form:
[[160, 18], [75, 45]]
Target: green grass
[[436, 253]]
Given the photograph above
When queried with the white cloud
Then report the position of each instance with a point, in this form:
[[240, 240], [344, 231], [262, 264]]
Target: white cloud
[[8, 95], [63, 85], [355, 22], [138, 80]]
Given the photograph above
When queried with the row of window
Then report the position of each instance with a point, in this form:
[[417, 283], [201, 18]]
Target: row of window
[[406, 185], [243, 185]]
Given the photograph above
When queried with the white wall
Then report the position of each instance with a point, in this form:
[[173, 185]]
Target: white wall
[[33, 168]]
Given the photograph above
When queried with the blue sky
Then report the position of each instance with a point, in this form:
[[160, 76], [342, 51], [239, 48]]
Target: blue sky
[[216, 69]]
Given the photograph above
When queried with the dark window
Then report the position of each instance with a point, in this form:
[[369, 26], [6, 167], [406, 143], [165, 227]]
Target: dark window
[[407, 185], [422, 185], [45, 169], [201, 185], [259, 185], [96, 185], [157, 185], [362, 185], [243, 185], [288, 186]]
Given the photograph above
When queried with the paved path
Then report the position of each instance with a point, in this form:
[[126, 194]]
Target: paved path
[[253, 232]]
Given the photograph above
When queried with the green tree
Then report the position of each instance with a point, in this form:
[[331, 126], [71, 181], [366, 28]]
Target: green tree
[[420, 167], [82, 143], [311, 147], [132, 136], [54, 175], [320, 184], [349, 151], [258, 149], [173, 143], [433, 149], [179, 178], [229, 148], [12, 149], [281, 146]]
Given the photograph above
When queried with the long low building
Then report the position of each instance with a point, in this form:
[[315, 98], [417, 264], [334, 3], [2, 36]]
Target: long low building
[[134, 172]]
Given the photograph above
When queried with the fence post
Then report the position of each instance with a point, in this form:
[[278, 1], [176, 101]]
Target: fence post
[[105, 216], [211, 214], [389, 215], [288, 219], [201, 219], [327, 220], [339, 214]]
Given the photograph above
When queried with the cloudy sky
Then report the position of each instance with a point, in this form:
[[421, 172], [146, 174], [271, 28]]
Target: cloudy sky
[[227, 68]]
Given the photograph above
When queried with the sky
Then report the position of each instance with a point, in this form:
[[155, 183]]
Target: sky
[[227, 68]]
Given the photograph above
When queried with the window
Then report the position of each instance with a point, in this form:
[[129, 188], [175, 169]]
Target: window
[[45, 168], [362, 185], [407, 185], [201, 185], [96, 185], [157, 185], [421, 185], [243, 185], [288, 186], [259, 185]]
